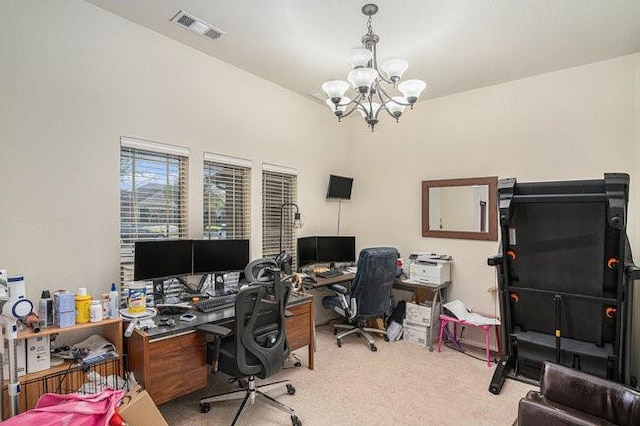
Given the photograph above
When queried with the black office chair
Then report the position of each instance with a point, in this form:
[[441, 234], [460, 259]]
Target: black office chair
[[370, 295], [257, 349]]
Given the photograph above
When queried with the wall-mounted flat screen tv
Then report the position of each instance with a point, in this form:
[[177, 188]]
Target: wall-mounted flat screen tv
[[339, 187]]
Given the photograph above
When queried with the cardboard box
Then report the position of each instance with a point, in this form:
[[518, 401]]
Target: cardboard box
[[22, 358], [415, 334], [64, 301], [64, 319], [38, 354], [138, 409], [421, 315]]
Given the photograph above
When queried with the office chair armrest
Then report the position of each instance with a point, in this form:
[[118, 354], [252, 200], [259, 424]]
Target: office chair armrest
[[214, 329], [338, 288]]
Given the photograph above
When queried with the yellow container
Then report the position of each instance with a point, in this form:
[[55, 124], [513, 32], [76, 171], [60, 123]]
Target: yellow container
[[137, 300], [83, 306]]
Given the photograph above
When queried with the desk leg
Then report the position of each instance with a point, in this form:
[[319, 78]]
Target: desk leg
[[432, 320], [443, 324], [312, 339]]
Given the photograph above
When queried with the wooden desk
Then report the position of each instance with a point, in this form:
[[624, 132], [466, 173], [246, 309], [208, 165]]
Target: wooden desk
[[172, 361]]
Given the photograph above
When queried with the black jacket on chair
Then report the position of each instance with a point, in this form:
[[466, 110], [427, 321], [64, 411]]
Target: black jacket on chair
[[371, 287], [370, 295]]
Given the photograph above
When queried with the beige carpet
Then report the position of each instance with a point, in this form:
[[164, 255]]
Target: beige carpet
[[400, 384]]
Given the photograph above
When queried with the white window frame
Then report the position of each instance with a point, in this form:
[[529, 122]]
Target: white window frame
[[226, 180], [279, 186], [134, 226]]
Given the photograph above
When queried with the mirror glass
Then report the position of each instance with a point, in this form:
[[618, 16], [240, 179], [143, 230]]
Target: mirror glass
[[460, 208]]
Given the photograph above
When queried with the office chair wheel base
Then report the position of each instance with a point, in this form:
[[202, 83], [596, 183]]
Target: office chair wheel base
[[291, 390], [373, 347], [204, 408], [386, 338], [358, 334], [295, 421], [335, 331], [339, 342]]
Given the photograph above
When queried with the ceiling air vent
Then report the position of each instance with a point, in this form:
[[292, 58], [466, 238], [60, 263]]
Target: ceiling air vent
[[196, 25]]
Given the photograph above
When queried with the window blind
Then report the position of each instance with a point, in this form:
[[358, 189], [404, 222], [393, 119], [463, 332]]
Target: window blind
[[226, 195], [153, 202], [277, 189]]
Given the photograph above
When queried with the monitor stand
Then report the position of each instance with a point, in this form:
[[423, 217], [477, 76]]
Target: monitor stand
[[158, 291]]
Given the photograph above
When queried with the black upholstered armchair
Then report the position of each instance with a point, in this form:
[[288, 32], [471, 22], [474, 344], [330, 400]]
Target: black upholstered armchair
[[370, 295], [257, 349], [571, 397]]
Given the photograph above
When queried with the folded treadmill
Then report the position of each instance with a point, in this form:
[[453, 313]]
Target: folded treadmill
[[564, 278]]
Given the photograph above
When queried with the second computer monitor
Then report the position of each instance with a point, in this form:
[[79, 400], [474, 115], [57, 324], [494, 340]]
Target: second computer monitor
[[220, 255], [154, 260], [326, 249]]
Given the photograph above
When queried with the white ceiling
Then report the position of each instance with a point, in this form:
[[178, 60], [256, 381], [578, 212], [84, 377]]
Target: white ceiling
[[454, 45]]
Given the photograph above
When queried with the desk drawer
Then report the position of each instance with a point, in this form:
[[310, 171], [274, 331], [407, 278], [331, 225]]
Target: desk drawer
[[177, 366], [299, 326]]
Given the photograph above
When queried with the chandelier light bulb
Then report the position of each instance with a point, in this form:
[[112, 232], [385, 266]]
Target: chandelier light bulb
[[335, 89], [411, 89], [338, 109], [394, 68], [362, 78], [359, 57], [396, 106], [369, 111]]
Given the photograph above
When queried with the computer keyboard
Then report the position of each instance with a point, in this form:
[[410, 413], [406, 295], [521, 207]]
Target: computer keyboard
[[215, 303], [330, 273]]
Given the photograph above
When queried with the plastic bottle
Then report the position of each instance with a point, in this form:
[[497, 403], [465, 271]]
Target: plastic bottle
[[45, 309], [104, 298], [95, 313], [114, 302], [83, 303]]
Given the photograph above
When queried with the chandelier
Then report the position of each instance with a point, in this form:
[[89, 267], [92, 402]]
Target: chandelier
[[367, 81]]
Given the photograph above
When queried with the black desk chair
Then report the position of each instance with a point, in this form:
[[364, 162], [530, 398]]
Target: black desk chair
[[257, 349], [370, 295]]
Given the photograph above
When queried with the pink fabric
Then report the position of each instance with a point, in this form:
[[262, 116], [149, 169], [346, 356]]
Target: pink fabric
[[70, 410]]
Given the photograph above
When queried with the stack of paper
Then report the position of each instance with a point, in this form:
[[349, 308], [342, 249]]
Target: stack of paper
[[458, 310]]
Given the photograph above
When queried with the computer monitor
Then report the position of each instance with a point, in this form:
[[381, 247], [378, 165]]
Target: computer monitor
[[220, 255], [326, 249], [307, 251], [154, 260], [336, 249], [339, 187]]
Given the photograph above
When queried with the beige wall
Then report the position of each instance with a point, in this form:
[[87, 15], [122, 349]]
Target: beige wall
[[573, 124], [74, 79]]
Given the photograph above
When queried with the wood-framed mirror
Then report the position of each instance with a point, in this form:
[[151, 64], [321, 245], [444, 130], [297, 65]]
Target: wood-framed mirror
[[460, 208]]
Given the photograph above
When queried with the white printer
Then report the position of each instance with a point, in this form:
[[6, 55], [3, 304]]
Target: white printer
[[429, 268]]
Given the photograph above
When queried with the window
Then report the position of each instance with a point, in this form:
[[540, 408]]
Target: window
[[279, 186], [226, 194], [153, 198]]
